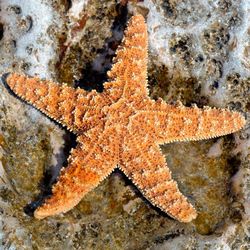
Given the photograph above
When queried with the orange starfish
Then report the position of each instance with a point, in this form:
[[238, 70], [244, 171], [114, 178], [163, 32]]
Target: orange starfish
[[121, 127]]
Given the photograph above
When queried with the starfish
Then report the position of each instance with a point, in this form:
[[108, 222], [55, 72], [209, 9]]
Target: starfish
[[121, 128]]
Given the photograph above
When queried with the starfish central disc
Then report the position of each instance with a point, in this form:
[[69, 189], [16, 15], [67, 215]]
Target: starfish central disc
[[119, 113]]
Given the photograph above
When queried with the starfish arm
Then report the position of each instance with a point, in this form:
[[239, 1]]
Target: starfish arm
[[88, 165], [128, 76], [168, 123], [64, 104], [146, 167]]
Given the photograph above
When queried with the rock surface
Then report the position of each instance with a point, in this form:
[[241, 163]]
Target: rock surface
[[198, 53]]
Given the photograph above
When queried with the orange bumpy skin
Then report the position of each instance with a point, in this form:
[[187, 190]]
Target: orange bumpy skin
[[122, 127]]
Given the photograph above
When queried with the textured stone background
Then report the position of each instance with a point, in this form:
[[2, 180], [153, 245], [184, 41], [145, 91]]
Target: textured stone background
[[199, 52]]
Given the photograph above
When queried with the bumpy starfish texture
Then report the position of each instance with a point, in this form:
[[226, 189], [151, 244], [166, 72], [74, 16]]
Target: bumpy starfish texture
[[122, 127]]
